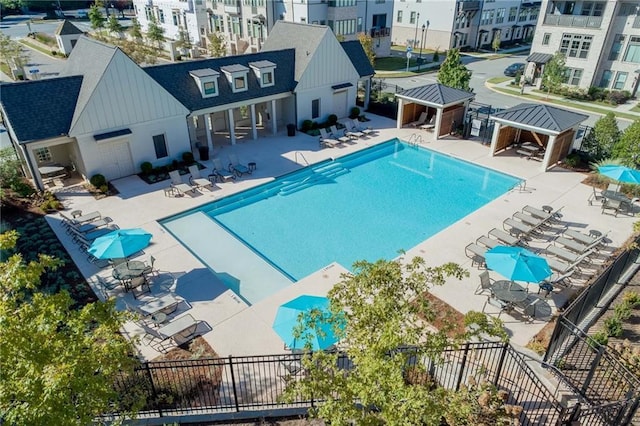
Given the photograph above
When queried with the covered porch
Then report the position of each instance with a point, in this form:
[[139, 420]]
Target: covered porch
[[52, 163]]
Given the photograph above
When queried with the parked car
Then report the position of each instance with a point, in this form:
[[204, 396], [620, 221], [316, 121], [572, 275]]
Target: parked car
[[514, 69]]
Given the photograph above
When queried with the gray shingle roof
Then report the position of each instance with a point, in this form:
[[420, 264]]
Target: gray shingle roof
[[541, 116], [262, 64], [358, 57], [40, 109], [204, 72], [176, 80], [436, 94], [539, 58], [67, 28], [234, 68]]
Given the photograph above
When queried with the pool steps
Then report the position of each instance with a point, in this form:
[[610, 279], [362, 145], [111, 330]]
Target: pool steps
[[316, 175]]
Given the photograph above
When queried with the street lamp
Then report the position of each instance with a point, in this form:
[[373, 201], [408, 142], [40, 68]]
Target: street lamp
[[415, 37], [425, 29]]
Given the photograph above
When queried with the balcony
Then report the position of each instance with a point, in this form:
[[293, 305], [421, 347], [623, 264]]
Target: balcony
[[232, 7], [380, 32], [468, 6], [577, 21]]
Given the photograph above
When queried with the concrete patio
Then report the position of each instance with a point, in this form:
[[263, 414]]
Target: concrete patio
[[234, 328]]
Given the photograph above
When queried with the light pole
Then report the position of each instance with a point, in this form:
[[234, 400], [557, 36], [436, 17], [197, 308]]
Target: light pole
[[425, 30], [415, 37]]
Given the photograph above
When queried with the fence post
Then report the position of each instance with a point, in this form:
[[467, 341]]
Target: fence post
[[592, 371], [632, 411], [552, 341], [153, 388], [503, 355], [462, 366], [233, 382]]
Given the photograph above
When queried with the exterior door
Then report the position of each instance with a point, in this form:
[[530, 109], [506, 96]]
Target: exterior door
[[340, 103], [116, 160]]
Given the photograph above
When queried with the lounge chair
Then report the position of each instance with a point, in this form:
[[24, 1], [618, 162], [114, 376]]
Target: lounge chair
[[236, 167], [91, 226], [476, 253], [517, 228], [78, 220], [504, 237], [563, 280], [182, 327], [421, 120], [535, 212], [221, 173], [197, 180], [586, 239], [596, 195], [486, 241], [567, 255], [87, 238], [335, 133], [352, 131], [528, 219], [178, 185], [327, 140], [166, 304], [360, 128], [430, 124]]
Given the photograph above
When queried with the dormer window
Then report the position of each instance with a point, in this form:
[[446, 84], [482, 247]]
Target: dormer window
[[264, 71], [236, 76], [207, 81]]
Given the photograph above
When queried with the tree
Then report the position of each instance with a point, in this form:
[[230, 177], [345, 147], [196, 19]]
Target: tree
[[627, 149], [95, 16], [58, 363], [376, 311], [11, 51], [155, 33], [184, 41], [136, 29], [367, 44], [453, 73], [216, 45], [555, 73], [602, 138], [495, 44], [114, 25], [138, 51]]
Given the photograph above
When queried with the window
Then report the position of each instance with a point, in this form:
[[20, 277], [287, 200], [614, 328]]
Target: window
[[42, 154], [621, 78], [590, 8], [239, 83], [545, 39], [160, 144], [500, 15], [412, 18], [633, 50], [605, 81], [148, 13], [315, 108], [616, 48], [573, 76], [267, 78], [209, 88], [161, 16], [513, 12], [359, 24], [575, 45], [175, 16], [627, 9], [399, 16], [347, 26], [533, 13], [522, 16]]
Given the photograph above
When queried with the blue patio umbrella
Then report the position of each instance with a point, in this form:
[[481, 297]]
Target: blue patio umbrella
[[620, 173], [517, 264], [303, 308], [120, 243]]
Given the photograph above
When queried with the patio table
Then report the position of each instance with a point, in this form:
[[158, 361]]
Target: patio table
[[128, 270], [50, 170], [508, 291], [615, 195], [185, 326], [166, 302]]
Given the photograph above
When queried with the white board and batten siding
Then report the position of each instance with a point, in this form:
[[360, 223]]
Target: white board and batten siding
[[328, 67]]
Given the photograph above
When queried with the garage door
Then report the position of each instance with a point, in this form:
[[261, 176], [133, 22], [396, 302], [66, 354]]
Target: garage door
[[116, 161], [340, 103]]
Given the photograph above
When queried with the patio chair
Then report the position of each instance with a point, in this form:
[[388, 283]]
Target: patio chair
[[596, 195], [360, 128], [352, 132], [183, 327], [105, 286], [289, 369], [221, 173], [177, 183], [137, 282], [91, 226], [518, 229], [476, 253], [326, 140], [534, 308], [421, 120], [335, 133], [503, 237], [238, 168], [496, 303], [485, 283], [197, 180], [486, 241], [617, 206]]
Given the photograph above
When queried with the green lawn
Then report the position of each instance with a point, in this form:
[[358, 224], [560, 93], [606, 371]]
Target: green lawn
[[40, 49], [394, 63], [636, 108], [5, 69], [398, 48], [498, 80]]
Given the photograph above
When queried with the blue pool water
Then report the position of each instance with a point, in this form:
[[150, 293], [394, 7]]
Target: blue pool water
[[364, 206]]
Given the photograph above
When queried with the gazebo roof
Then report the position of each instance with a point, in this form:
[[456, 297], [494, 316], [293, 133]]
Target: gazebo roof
[[436, 94], [545, 118]]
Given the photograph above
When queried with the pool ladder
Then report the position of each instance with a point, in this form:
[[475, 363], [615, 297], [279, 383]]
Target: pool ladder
[[301, 156], [415, 139]]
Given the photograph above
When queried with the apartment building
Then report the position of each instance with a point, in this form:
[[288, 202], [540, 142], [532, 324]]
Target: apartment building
[[175, 16], [468, 25], [600, 39]]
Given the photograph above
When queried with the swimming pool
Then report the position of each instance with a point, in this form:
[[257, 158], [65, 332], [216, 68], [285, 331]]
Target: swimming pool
[[365, 206]]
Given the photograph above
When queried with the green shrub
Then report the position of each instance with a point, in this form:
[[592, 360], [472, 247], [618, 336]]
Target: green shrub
[[98, 180], [601, 338], [187, 157], [332, 119], [572, 160], [618, 97], [146, 167], [54, 53], [306, 125], [436, 56], [622, 311], [355, 112], [613, 327], [632, 299], [104, 189]]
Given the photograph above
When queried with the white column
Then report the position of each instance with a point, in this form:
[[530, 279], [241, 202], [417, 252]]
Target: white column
[[367, 93], [547, 153], [232, 127], [274, 118], [208, 127], [254, 128], [438, 122], [494, 139], [400, 114], [32, 166]]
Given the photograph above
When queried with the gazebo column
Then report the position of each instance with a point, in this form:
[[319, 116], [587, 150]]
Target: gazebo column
[[254, 127], [494, 138], [400, 114], [367, 93], [232, 126], [208, 128], [274, 118], [438, 122], [548, 152]]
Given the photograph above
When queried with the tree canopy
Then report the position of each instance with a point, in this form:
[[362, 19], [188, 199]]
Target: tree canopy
[[453, 72], [627, 149], [367, 44], [57, 362], [136, 29], [216, 45], [602, 138], [114, 25], [95, 15], [555, 72], [377, 311], [155, 32]]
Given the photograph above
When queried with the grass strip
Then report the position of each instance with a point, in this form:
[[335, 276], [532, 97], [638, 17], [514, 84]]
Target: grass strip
[[39, 49], [6, 70], [498, 80]]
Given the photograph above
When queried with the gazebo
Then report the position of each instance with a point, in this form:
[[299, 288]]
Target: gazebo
[[551, 129], [448, 104]]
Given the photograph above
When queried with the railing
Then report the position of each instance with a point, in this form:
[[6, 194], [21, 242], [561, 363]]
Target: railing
[[466, 5], [302, 156], [415, 139], [236, 386], [573, 21], [380, 32]]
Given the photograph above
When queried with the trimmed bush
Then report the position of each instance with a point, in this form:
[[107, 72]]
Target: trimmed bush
[[613, 327], [622, 311], [618, 97], [98, 180], [436, 56], [306, 126], [355, 112], [332, 119], [187, 157], [632, 299], [146, 167], [601, 338]]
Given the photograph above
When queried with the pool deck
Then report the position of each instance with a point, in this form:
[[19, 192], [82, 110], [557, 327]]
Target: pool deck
[[233, 328]]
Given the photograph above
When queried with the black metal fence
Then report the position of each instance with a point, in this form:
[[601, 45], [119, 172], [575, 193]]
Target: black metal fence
[[252, 384], [382, 98]]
